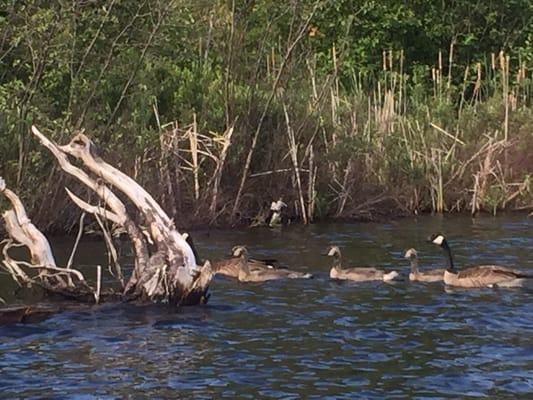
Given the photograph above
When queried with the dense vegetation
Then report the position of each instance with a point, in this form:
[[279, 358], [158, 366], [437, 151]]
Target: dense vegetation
[[345, 108]]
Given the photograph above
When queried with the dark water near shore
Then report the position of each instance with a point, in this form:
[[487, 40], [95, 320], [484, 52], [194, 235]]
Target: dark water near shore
[[299, 338]]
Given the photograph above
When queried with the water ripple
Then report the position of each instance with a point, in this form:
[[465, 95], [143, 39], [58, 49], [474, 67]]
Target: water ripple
[[315, 339]]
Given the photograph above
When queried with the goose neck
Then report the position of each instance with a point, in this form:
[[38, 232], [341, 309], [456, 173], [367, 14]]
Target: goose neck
[[414, 266], [337, 262], [449, 259], [243, 264]]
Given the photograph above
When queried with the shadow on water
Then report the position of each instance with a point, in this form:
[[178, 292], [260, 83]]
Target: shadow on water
[[300, 338]]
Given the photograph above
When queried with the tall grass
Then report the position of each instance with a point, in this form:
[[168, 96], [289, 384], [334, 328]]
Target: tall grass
[[405, 139], [450, 139]]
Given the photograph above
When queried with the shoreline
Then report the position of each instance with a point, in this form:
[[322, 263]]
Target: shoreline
[[379, 217]]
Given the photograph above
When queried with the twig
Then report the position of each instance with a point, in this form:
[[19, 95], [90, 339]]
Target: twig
[[438, 128], [78, 238], [277, 171], [98, 283]]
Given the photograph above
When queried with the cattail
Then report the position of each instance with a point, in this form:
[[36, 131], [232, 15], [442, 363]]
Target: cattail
[[384, 60], [493, 61]]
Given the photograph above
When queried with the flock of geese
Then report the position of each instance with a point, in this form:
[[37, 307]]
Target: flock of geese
[[245, 269]]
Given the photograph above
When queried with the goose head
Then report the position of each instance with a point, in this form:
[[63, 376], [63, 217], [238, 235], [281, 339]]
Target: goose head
[[411, 254], [437, 238], [239, 251], [333, 251]]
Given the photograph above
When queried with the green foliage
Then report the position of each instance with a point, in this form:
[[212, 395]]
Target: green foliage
[[122, 69]]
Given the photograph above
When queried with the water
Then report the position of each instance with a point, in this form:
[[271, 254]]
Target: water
[[299, 338]]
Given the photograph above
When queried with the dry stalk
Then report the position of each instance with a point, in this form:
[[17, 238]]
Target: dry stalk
[[293, 150], [193, 140]]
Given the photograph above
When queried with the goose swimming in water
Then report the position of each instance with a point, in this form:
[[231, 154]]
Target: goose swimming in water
[[434, 275], [230, 267], [481, 275], [247, 274], [358, 274]]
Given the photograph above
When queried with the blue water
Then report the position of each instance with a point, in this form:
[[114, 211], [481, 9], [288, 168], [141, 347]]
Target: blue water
[[299, 338]]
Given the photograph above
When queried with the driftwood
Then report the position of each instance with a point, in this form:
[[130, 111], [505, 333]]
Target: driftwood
[[166, 271], [42, 270]]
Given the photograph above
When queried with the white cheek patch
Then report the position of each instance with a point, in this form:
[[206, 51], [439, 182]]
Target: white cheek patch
[[331, 252], [438, 240]]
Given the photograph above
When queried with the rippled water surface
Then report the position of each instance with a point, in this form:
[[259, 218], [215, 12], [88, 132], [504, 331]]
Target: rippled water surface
[[299, 338]]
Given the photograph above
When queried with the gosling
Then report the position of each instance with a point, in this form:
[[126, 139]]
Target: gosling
[[434, 275], [356, 274]]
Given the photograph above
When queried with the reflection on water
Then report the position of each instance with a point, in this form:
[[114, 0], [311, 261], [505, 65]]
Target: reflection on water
[[300, 338]]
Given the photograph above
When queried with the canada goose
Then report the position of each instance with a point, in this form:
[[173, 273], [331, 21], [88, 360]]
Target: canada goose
[[358, 274], [230, 267], [434, 275], [478, 276], [249, 274]]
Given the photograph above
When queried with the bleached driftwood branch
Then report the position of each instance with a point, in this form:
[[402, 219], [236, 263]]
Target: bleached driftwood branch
[[42, 269]]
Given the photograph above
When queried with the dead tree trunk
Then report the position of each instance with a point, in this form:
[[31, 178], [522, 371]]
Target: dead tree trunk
[[168, 273]]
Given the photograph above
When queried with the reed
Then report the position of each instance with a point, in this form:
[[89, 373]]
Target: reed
[[349, 144]]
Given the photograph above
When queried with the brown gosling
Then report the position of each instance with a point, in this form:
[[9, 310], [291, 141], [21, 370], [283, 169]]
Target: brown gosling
[[247, 274], [434, 275], [357, 274]]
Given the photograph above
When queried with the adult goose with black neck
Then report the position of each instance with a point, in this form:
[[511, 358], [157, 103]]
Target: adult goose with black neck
[[478, 276]]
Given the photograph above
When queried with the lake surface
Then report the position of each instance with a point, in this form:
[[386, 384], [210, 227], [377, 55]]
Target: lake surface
[[299, 338]]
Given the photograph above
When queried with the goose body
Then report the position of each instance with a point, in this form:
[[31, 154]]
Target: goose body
[[481, 275], [434, 275], [485, 276], [251, 272], [356, 274], [230, 268]]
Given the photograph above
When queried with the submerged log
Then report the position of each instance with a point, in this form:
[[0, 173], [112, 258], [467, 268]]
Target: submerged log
[[165, 272], [26, 313]]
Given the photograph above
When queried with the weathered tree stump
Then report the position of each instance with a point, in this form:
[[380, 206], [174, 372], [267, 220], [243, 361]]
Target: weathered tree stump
[[166, 271]]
